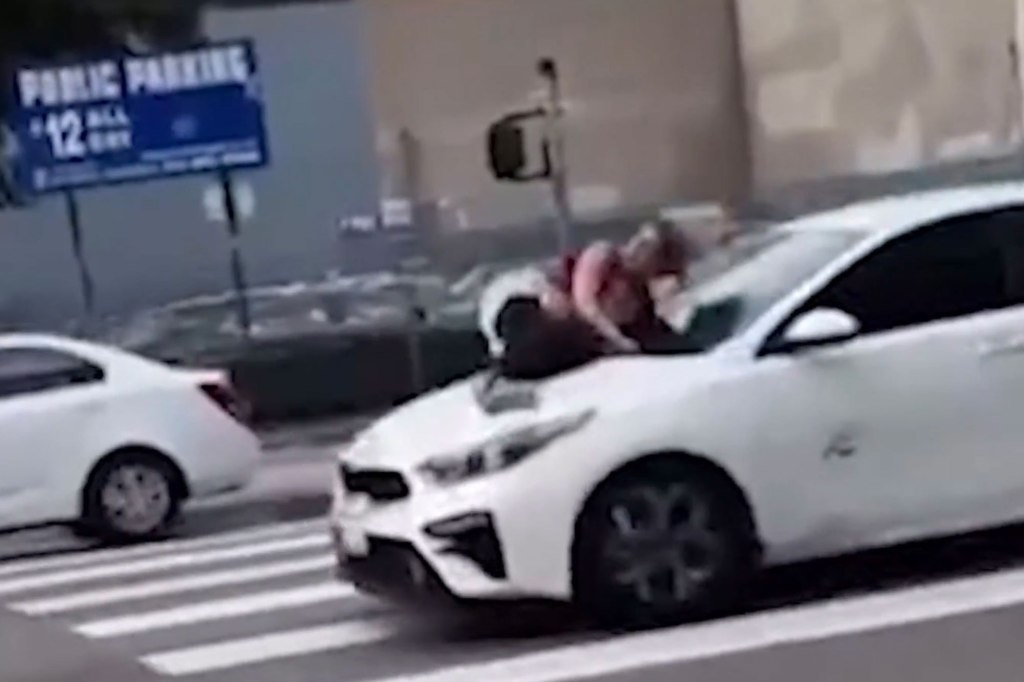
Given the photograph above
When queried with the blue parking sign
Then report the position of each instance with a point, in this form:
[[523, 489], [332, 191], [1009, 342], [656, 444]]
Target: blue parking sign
[[132, 118]]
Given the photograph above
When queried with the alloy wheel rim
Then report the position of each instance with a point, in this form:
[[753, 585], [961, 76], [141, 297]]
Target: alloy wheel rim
[[661, 544], [136, 498]]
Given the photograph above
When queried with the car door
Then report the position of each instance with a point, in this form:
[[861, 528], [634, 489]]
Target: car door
[[1000, 358], [46, 400], [888, 431]]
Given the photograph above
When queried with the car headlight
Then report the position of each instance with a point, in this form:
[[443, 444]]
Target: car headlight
[[501, 452]]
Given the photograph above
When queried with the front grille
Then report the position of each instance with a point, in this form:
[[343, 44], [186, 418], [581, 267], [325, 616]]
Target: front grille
[[394, 569], [381, 485]]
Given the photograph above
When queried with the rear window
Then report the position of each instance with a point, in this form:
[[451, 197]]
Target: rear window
[[32, 370]]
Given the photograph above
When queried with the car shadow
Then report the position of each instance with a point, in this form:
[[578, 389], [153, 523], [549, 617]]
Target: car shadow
[[860, 574]]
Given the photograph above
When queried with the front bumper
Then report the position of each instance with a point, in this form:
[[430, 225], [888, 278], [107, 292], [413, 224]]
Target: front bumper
[[465, 547], [480, 541], [392, 569]]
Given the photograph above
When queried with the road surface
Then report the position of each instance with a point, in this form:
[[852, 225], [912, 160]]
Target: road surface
[[260, 605], [245, 594]]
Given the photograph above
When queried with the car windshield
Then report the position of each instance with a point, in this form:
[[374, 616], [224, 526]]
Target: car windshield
[[757, 274]]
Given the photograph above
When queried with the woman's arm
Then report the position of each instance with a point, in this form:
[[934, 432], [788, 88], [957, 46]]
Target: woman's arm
[[587, 278]]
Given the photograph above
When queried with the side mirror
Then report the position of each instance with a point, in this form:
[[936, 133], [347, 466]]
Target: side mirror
[[820, 327]]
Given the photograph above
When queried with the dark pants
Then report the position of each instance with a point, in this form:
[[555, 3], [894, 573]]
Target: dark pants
[[653, 334], [537, 345]]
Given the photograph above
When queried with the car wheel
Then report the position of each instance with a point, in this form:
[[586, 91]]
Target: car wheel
[[131, 497], [662, 545]]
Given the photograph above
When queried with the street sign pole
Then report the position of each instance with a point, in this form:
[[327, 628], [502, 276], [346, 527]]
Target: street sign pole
[[84, 275], [237, 267]]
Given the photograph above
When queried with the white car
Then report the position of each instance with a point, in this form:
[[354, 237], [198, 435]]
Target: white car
[[109, 442], [856, 381]]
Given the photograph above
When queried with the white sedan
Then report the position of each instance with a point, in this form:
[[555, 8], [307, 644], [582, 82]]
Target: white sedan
[[855, 381], [110, 442]]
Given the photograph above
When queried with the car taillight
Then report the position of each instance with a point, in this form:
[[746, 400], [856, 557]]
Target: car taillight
[[228, 400]]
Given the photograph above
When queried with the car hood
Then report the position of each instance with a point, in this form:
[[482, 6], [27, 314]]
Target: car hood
[[467, 413]]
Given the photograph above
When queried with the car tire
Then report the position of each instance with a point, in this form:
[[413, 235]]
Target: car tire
[[131, 497], [661, 544]]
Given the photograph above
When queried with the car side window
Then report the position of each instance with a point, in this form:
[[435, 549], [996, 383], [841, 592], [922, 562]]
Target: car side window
[[33, 370], [945, 271], [1008, 232]]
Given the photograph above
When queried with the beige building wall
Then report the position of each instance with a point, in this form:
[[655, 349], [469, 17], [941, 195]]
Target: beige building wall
[[838, 87], [652, 89]]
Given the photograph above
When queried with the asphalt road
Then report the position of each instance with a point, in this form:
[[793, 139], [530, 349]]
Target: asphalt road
[[260, 605], [253, 600]]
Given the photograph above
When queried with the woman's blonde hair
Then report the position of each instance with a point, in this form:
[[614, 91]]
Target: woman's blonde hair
[[667, 246]]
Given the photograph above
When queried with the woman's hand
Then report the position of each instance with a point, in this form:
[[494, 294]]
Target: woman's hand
[[557, 303]]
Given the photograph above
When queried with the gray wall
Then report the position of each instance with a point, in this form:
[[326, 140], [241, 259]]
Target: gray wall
[[652, 94], [841, 87], [150, 244]]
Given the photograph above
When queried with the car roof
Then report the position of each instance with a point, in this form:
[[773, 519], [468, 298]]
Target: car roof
[[86, 349], [893, 215], [35, 339]]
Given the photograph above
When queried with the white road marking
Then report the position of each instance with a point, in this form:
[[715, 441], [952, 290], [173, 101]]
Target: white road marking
[[222, 609], [156, 588], [162, 563], [844, 617], [98, 556], [270, 647]]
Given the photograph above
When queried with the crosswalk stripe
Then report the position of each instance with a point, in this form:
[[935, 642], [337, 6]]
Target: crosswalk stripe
[[249, 551], [222, 609], [269, 647], [742, 634], [156, 588], [98, 556]]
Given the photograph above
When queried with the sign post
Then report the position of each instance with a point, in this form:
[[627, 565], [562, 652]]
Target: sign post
[[84, 275], [237, 266], [136, 118]]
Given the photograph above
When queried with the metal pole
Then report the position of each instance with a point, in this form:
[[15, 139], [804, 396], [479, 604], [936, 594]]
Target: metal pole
[[419, 322], [548, 71], [7, 190], [84, 276], [237, 267]]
